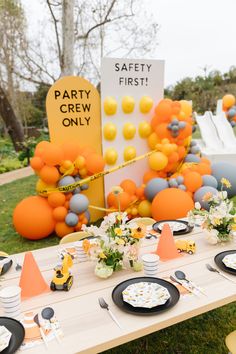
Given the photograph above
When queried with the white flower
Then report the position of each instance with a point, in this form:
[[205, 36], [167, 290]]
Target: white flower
[[211, 236], [197, 206]]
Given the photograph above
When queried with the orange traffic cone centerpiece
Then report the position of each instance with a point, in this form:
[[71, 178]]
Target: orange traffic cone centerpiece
[[32, 282], [166, 248]]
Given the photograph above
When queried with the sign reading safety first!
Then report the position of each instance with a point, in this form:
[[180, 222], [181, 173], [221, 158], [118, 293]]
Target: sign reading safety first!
[[73, 110], [131, 88]]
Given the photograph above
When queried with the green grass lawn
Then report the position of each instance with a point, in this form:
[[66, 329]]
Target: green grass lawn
[[203, 334]]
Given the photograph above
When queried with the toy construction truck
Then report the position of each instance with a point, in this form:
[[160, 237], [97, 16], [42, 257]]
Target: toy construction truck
[[186, 246], [63, 279]]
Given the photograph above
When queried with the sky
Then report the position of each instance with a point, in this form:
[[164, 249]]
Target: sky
[[193, 34]]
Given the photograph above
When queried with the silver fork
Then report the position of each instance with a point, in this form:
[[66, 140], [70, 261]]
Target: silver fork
[[211, 269], [104, 305]]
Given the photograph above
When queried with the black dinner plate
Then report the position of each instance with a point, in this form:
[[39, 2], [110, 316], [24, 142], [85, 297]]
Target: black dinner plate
[[118, 298], [6, 266], [218, 260], [17, 334], [187, 229]]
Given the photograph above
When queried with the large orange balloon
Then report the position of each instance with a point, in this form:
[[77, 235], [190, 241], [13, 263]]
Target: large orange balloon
[[193, 181], [163, 111], [124, 201], [162, 131], [36, 163], [171, 203], [59, 213], [95, 163], [184, 133], [49, 174], [52, 155], [40, 147], [204, 169], [71, 150], [32, 218], [128, 186]]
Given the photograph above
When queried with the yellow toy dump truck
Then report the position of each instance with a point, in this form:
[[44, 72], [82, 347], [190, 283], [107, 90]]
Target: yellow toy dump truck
[[188, 246]]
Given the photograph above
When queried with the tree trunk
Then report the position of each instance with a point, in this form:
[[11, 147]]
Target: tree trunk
[[13, 125], [67, 61]]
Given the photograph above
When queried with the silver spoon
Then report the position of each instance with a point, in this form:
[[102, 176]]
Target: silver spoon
[[211, 269], [181, 275], [104, 305]]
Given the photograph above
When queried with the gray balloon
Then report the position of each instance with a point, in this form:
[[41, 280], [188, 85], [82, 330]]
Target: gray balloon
[[182, 125], [77, 190], [180, 179], [174, 128], [192, 158], [77, 178], [71, 219], [231, 113], [173, 183], [65, 181], [87, 215], [175, 121], [195, 149], [228, 171], [84, 187], [78, 203], [182, 187], [155, 186], [209, 180], [193, 143], [199, 194]]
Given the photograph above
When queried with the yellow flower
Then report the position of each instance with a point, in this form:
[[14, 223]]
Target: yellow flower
[[86, 245], [217, 221], [138, 233], [102, 255], [118, 231], [207, 197], [117, 190], [233, 227], [120, 241], [226, 182]]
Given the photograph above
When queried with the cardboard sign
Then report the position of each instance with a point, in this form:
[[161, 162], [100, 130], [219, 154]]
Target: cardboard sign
[[73, 110], [135, 78]]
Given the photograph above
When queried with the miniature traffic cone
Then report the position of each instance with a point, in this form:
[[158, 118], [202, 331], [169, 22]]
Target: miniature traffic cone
[[32, 282], [166, 248]]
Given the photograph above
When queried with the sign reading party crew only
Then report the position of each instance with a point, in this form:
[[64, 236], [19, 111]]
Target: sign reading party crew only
[[73, 110]]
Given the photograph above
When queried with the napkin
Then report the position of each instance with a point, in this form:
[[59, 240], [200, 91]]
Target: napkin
[[5, 336]]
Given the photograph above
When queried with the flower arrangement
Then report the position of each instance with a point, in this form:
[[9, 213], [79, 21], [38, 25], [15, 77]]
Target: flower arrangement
[[220, 221], [115, 244]]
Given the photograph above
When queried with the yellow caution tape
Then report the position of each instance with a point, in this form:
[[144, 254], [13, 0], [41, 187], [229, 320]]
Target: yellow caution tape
[[71, 187]]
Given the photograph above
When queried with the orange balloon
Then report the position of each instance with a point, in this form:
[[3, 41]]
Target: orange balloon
[[49, 174], [167, 149], [68, 196], [174, 157], [33, 219], [128, 186], [186, 107], [163, 111], [149, 175], [111, 199], [87, 151], [205, 160], [59, 213], [71, 150], [228, 100], [162, 131], [124, 200], [67, 204], [193, 181], [40, 147], [181, 152], [52, 155], [204, 169], [171, 203], [62, 229], [95, 163], [176, 107], [56, 199], [184, 133], [36, 163], [157, 161], [140, 192]]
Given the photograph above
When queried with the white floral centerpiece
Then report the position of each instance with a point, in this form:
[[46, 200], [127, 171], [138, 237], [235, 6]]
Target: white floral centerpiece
[[116, 243], [219, 222]]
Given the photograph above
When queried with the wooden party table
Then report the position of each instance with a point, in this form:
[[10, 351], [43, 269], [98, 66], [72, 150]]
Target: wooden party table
[[89, 329]]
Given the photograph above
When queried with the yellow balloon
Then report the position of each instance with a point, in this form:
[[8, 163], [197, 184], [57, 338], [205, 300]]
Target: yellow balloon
[[110, 106], [40, 185], [129, 153], [228, 101], [129, 131], [145, 104], [157, 161], [144, 208], [80, 162], [186, 107], [153, 140], [167, 149], [111, 156], [128, 104], [109, 131], [144, 129]]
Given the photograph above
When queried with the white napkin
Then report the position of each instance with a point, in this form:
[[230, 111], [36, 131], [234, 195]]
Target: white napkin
[[5, 336]]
